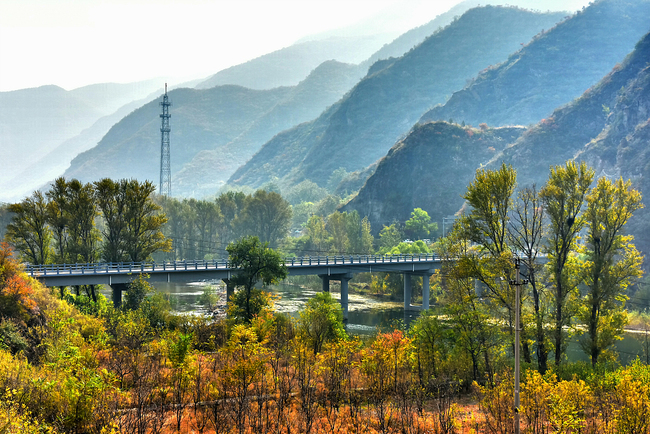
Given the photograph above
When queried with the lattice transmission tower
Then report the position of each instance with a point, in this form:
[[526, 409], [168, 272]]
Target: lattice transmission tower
[[165, 169]]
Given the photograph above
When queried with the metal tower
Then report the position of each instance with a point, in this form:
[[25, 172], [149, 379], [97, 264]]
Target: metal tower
[[165, 170]]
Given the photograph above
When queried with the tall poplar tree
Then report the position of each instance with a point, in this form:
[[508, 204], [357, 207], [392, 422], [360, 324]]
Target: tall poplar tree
[[563, 196], [612, 263]]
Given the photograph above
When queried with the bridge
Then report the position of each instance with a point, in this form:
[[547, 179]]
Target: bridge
[[338, 268]]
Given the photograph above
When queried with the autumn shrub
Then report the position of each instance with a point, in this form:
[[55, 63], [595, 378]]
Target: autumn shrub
[[497, 403]]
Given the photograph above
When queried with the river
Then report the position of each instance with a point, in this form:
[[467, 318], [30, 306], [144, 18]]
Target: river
[[365, 314]]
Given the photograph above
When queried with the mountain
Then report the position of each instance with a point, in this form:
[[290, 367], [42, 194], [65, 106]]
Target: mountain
[[213, 130], [209, 169], [414, 37], [553, 69], [607, 127], [290, 65], [429, 169], [35, 121], [361, 127], [201, 119], [54, 163]]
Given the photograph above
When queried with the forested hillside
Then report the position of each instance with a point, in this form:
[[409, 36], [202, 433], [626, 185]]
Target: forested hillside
[[553, 69], [383, 106]]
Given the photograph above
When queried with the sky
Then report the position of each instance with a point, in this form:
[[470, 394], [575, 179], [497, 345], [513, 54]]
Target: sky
[[73, 43]]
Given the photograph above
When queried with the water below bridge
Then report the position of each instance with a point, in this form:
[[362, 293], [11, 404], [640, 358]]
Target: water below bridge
[[367, 314]]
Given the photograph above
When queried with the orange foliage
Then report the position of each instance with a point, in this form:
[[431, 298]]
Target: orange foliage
[[16, 292]]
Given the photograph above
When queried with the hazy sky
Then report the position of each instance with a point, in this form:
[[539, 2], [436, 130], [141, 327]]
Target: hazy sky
[[72, 43]]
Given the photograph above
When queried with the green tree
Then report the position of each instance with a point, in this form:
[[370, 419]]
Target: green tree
[[28, 230], [144, 222], [359, 234], [612, 263], [321, 321], [58, 218], [337, 227], [317, 235], [255, 262], [563, 196], [266, 215], [419, 226], [490, 199], [389, 237], [83, 236], [137, 291], [111, 197]]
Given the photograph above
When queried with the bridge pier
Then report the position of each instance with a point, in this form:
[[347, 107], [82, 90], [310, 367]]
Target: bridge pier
[[344, 279], [408, 293], [230, 289], [118, 288]]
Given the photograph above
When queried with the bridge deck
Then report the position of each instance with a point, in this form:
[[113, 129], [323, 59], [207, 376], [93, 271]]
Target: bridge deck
[[185, 271]]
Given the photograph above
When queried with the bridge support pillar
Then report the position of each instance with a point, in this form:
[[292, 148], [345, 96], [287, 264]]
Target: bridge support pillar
[[230, 289], [326, 282], [425, 291], [407, 291], [117, 293]]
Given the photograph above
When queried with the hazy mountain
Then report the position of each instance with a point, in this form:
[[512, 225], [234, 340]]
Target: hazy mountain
[[55, 162], [414, 37], [209, 169], [553, 69], [363, 125], [213, 130], [35, 121], [201, 119], [288, 66]]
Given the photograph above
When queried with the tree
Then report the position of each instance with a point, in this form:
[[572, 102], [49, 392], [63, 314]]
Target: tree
[[337, 227], [490, 198], [317, 235], [144, 222], [57, 216], [419, 226], [563, 196], [80, 212], [612, 262], [321, 320], [254, 262], [526, 229], [359, 234], [28, 230], [389, 237], [111, 197], [266, 215]]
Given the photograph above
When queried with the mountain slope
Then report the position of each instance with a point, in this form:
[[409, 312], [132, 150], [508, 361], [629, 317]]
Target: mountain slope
[[209, 169], [556, 67], [607, 127], [288, 66], [201, 119], [384, 105], [213, 130], [429, 169], [35, 121]]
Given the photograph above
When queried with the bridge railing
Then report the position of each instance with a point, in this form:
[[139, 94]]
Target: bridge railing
[[200, 264]]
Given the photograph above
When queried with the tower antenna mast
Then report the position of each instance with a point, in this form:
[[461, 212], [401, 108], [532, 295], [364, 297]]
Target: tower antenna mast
[[165, 169]]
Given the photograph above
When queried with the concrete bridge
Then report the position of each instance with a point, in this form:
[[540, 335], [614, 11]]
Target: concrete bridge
[[338, 268]]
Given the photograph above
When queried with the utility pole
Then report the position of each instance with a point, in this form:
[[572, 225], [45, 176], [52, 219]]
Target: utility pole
[[165, 166], [517, 284]]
